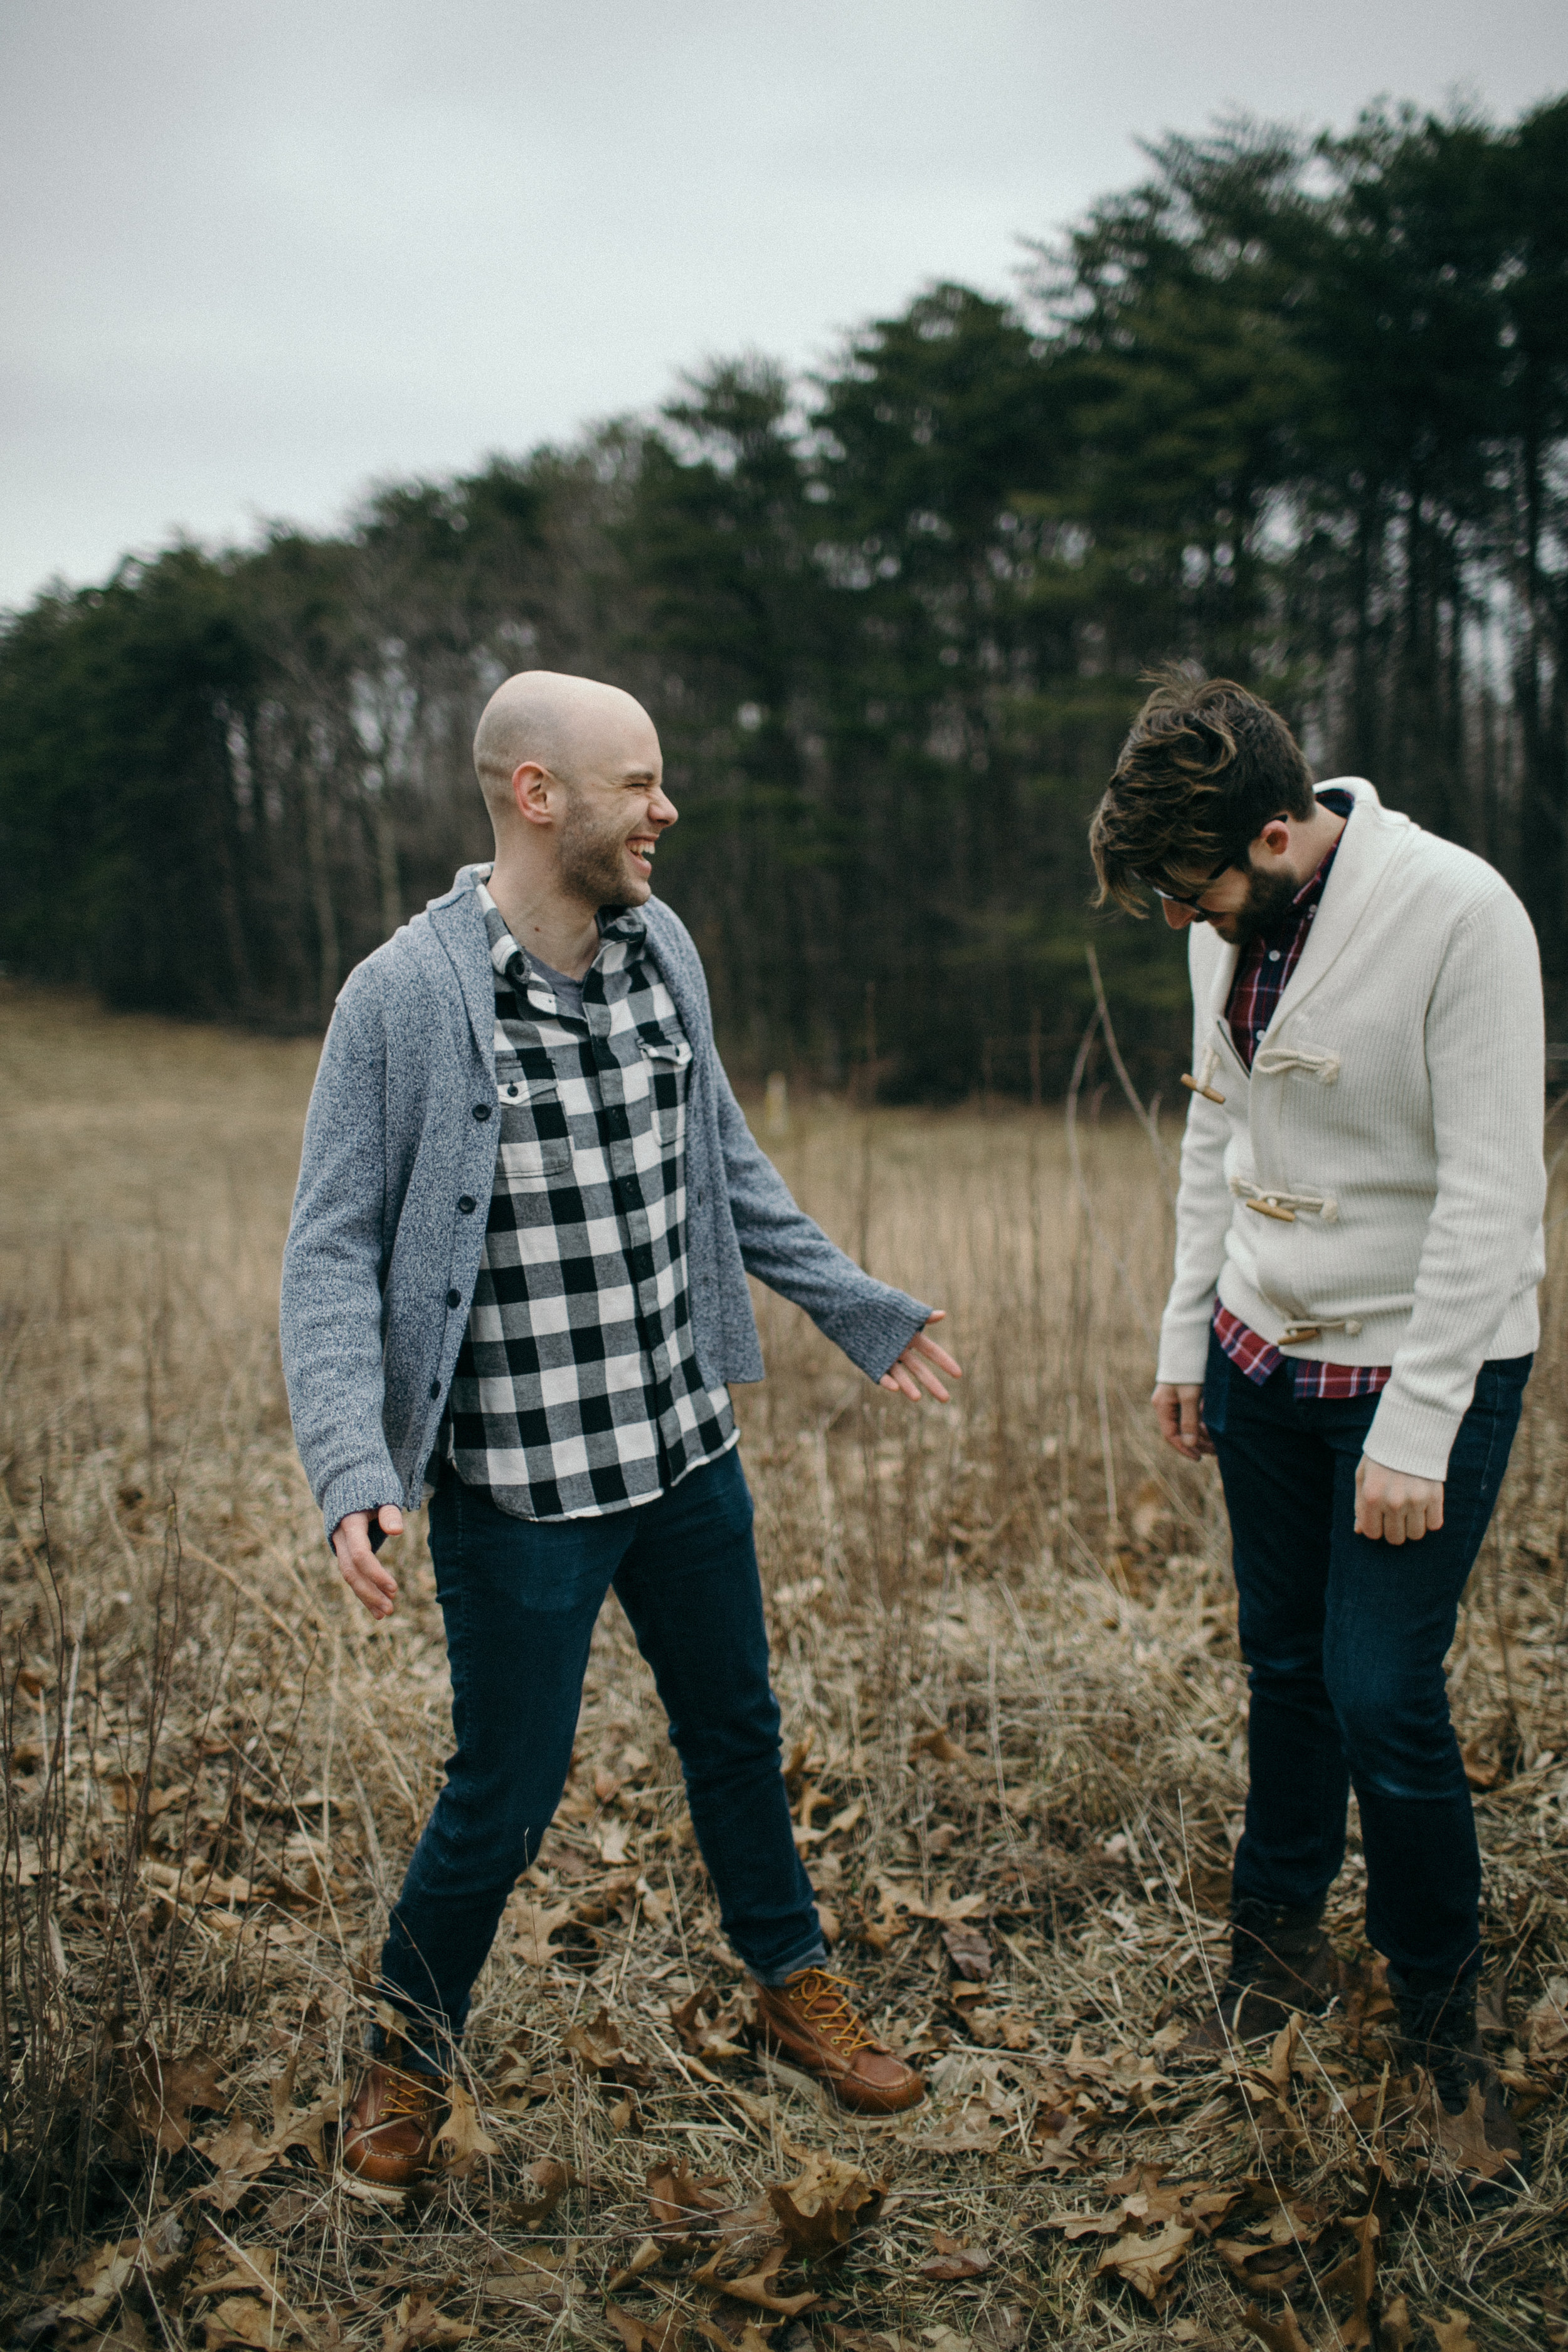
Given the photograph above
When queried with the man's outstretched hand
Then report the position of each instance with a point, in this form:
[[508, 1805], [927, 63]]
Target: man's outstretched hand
[[370, 1578], [919, 1364]]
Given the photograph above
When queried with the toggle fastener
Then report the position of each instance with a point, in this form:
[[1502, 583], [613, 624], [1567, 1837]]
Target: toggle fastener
[[1199, 1085], [1272, 1209]]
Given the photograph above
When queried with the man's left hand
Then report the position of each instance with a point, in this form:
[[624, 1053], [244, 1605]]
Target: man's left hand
[[1394, 1507], [919, 1364]]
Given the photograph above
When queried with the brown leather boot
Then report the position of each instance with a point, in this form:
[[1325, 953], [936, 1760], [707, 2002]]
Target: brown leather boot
[[390, 2128], [808, 2022], [1462, 2121], [1280, 1961]]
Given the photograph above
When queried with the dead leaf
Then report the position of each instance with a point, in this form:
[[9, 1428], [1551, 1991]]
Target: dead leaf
[[547, 2183], [532, 1926], [418, 2322], [597, 2047], [939, 1746], [675, 2196], [1282, 2055], [944, 1906], [164, 2090], [1462, 2139], [756, 2286], [821, 2211], [953, 2260], [1453, 2334], [1281, 2335], [1546, 2022], [237, 2270], [1395, 2329], [1149, 2265], [648, 2256], [626, 2114], [241, 2319], [969, 1952], [642, 2335], [462, 2140]]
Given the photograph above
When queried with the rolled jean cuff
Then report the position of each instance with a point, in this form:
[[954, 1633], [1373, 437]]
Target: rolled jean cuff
[[816, 1958]]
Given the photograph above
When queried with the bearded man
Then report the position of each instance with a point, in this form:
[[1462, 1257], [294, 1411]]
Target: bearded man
[[516, 1278], [1350, 1329]]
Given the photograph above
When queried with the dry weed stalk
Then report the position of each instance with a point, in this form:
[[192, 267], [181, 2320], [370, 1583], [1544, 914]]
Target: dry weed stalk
[[1005, 1648]]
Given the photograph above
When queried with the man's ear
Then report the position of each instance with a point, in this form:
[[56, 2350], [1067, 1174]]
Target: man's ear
[[1276, 837], [532, 788]]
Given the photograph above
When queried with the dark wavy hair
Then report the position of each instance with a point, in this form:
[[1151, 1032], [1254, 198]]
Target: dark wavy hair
[[1204, 768]]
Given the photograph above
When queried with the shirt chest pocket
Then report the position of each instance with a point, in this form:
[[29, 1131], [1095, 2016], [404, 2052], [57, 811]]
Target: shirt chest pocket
[[535, 1143], [668, 1063]]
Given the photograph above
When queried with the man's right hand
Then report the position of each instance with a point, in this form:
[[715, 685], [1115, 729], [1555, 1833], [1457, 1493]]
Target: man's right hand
[[363, 1574], [1179, 1410]]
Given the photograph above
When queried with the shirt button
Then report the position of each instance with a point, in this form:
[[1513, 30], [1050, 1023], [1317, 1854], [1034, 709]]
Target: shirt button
[[1273, 958], [454, 1299], [466, 1205], [482, 1110]]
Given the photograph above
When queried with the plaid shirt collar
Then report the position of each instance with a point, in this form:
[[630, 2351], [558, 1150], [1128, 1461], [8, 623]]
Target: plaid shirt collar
[[1266, 963], [626, 924]]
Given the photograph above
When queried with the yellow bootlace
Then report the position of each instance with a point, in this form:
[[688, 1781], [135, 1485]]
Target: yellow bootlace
[[825, 2002], [409, 2095]]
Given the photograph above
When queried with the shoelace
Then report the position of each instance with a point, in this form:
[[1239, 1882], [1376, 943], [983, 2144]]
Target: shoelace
[[824, 2001], [406, 2095]]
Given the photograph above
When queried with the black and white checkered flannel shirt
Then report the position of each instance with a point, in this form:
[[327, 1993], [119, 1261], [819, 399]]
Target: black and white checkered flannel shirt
[[577, 1391]]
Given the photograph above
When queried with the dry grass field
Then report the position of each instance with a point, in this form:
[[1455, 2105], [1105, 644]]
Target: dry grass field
[[1004, 1646]]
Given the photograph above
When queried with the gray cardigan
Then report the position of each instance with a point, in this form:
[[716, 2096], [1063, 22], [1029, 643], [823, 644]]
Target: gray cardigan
[[394, 1184]]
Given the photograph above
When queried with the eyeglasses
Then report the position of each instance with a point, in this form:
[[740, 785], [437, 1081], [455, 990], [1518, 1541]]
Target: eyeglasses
[[1186, 897]]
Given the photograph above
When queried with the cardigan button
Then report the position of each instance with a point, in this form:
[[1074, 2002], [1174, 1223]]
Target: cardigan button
[[482, 1110], [468, 1205], [454, 1299], [435, 1387]]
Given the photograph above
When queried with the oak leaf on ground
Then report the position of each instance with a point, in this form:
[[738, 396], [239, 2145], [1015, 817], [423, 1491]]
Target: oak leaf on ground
[[1148, 2264], [756, 2286], [950, 2259], [462, 2141], [640, 2335], [545, 2184], [1281, 2335], [820, 2211], [420, 2326]]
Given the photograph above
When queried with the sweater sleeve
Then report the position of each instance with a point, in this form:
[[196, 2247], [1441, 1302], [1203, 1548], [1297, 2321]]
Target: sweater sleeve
[[331, 1302], [787, 1249], [1485, 1037], [1204, 1210]]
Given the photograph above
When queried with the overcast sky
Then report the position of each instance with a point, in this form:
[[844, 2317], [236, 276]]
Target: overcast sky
[[258, 253]]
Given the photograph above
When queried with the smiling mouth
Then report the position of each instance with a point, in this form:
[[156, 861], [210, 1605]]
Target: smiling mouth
[[641, 852]]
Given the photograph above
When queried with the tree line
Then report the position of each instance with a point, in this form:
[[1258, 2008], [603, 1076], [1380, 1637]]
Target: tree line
[[1295, 409]]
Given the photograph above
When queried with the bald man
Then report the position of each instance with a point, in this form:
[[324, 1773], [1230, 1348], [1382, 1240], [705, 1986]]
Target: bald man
[[515, 1282]]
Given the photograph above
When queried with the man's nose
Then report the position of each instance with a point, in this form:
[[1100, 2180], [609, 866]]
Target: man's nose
[[661, 809], [1176, 915]]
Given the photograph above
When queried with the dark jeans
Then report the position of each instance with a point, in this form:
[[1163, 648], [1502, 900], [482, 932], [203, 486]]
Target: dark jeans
[[520, 1598], [1344, 1641]]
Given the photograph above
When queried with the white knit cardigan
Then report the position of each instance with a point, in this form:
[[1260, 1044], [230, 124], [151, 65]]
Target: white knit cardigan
[[1373, 1192]]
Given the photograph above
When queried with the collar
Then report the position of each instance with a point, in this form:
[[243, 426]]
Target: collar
[[626, 923]]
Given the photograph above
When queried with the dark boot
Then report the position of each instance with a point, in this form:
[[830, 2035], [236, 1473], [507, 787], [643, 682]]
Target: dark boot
[[1280, 1961], [1461, 2120]]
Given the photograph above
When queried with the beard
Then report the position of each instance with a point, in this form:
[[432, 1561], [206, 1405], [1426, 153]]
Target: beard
[[593, 857], [1268, 900]]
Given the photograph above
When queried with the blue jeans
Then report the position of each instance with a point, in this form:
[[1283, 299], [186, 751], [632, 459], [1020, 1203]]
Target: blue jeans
[[1344, 1641], [520, 1598]]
